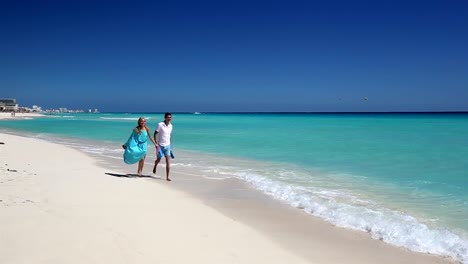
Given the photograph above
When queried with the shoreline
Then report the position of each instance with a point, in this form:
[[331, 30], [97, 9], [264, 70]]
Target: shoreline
[[304, 234], [288, 230], [7, 115], [74, 212]]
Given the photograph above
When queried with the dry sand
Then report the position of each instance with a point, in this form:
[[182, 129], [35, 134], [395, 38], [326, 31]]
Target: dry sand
[[7, 115]]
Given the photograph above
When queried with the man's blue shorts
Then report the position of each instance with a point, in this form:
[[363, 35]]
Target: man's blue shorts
[[164, 151]]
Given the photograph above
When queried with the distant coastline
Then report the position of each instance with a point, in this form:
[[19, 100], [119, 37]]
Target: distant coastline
[[259, 112]]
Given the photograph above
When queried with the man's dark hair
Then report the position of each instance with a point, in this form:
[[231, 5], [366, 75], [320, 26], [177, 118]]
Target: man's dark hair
[[167, 114]]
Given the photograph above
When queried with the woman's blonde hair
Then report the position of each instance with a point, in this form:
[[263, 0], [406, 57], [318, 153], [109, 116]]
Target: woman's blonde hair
[[138, 127]]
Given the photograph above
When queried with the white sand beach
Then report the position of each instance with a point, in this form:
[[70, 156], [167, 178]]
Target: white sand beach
[[7, 115], [57, 205]]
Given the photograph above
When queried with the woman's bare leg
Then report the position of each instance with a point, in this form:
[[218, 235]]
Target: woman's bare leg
[[141, 163]]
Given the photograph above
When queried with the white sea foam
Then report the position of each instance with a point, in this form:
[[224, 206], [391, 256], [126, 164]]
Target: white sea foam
[[96, 150], [122, 118], [60, 116], [390, 226], [342, 208], [181, 165]]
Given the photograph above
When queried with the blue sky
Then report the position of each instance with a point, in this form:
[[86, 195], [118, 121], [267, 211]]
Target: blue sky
[[236, 55]]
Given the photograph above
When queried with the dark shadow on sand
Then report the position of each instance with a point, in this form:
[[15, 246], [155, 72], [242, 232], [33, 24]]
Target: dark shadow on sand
[[130, 175]]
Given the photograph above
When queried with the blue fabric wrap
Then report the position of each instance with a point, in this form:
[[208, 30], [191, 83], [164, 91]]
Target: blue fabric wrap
[[161, 154], [137, 146]]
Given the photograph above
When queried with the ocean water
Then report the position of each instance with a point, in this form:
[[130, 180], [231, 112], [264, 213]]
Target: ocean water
[[403, 178]]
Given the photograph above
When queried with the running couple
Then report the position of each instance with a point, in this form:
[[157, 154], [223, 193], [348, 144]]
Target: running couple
[[137, 144]]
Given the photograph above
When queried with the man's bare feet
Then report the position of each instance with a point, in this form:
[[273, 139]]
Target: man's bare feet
[[154, 169], [167, 179]]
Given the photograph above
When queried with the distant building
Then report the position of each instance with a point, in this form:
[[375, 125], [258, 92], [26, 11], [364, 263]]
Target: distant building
[[8, 105], [36, 108]]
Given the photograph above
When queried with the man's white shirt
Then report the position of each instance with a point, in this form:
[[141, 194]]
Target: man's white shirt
[[164, 133]]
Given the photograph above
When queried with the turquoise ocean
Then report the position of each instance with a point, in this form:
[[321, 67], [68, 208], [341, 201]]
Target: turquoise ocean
[[402, 177]]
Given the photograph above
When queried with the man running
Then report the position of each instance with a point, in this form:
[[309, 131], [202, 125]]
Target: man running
[[162, 137]]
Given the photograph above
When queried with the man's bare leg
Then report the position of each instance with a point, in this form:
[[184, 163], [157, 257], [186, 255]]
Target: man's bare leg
[[156, 162], [168, 167]]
